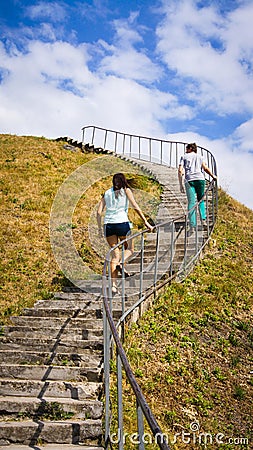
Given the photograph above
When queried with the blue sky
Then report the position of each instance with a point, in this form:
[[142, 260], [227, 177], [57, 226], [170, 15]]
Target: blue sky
[[175, 69]]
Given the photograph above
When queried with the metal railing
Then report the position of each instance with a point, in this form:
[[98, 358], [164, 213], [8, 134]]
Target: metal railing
[[159, 151], [157, 257]]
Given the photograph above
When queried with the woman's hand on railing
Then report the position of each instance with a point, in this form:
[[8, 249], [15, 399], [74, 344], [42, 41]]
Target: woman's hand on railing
[[148, 225]]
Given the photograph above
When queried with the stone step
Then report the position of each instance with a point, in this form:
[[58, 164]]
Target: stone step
[[134, 280], [72, 305], [50, 447], [51, 372], [45, 358], [58, 389], [29, 332], [56, 322], [60, 311], [60, 432], [82, 296], [77, 304], [48, 344], [90, 286], [32, 406]]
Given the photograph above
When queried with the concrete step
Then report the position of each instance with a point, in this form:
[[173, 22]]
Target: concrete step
[[58, 389], [73, 300], [45, 358], [52, 310], [94, 287], [56, 322], [30, 407], [82, 296], [60, 432], [47, 344], [52, 372], [29, 332], [77, 311]]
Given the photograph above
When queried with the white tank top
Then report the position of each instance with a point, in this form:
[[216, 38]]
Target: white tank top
[[116, 208]]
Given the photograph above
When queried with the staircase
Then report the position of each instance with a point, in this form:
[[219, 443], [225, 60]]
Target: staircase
[[51, 375], [51, 385]]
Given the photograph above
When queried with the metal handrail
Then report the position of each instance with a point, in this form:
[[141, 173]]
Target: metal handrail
[[155, 150], [161, 270]]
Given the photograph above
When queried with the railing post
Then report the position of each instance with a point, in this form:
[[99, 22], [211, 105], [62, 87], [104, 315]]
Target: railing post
[[120, 403], [123, 280], [196, 208], [185, 240], [107, 338], [106, 377], [172, 247], [141, 266], [115, 144], [141, 445], [105, 139], [156, 256], [170, 159], [93, 135], [124, 140]]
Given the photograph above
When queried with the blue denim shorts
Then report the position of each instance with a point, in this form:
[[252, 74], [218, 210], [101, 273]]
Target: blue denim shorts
[[118, 229]]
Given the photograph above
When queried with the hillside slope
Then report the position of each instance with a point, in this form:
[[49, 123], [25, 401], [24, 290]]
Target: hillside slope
[[32, 171], [193, 352]]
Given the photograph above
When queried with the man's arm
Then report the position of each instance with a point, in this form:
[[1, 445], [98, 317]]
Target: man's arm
[[181, 177], [207, 170]]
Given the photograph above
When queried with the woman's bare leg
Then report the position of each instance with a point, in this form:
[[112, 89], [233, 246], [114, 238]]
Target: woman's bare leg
[[112, 241], [128, 248]]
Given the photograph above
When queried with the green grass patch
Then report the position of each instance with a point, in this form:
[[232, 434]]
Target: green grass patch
[[207, 347]]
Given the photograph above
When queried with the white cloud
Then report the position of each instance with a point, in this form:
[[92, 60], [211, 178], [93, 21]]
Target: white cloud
[[51, 91], [54, 88], [242, 137], [131, 64], [122, 59], [52, 11], [202, 46]]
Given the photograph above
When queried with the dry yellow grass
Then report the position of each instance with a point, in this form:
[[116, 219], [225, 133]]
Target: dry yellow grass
[[32, 171]]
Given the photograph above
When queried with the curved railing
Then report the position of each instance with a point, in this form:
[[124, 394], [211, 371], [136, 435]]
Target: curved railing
[[155, 264], [148, 149]]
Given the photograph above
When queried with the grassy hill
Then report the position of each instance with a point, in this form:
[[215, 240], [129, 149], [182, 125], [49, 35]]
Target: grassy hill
[[32, 171], [193, 352]]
